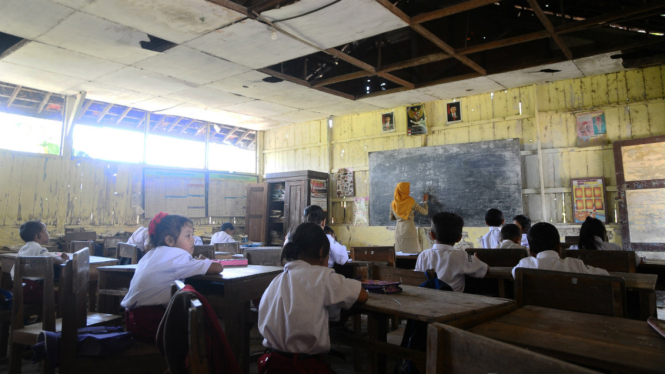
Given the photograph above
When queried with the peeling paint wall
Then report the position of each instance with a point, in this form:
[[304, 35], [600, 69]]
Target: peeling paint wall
[[634, 107]]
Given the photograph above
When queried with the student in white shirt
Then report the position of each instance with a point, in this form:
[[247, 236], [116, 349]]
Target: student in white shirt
[[297, 306], [493, 219], [225, 235], [197, 240], [171, 259], [34, 233], [593, 236], [524, 223], [510, 237], [450, 265], [544, 244], [338, 254], [141, 239]]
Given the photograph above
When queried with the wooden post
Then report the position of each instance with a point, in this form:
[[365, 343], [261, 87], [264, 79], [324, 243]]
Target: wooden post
[[543, 205]]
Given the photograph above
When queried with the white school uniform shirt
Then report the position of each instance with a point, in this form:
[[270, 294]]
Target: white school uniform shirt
[[550, 260], [140, 238], [197, 240], [32, 249], [155, 273], [509, 244], [338, 253], [607, 246], [492, 238], [221, 237], [298, 304], [524, 242], [451, 265]]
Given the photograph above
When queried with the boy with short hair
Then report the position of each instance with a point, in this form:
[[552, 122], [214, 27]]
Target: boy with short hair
[[450, 265], [511, 235], [34, 234], [225, 234], [544, 243], [524, 223], [493, 219]]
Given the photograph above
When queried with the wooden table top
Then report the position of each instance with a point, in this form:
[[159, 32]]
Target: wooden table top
[[654, 263], [263, 248], [93, 259], [230, 274], [615, 344], [366, 263], [431, 305], [634, 281]]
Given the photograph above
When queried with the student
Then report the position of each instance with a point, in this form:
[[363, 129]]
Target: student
[[197, 240], [593, 236], [172, 238], [329, 231], [141, 239], [450, 265], [338, 254], [524, 223], [402, 210], [511, 236], [225, 235], [493, 219], [299, 303], [544, 244], [34, 234]]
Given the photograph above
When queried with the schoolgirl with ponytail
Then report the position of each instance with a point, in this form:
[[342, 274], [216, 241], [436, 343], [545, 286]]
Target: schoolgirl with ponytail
[[295, 309], [172, 239]]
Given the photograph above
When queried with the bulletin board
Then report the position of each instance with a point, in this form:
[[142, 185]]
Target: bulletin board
[[227, 194], [175, 192]]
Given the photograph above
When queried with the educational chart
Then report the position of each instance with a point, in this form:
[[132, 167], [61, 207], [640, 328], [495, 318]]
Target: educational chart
[[227, 194], [174, 192], [466, 179], [588, 199]]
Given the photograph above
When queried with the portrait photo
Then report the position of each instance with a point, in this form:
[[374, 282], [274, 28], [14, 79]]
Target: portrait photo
[[388, 122], [454, 112]]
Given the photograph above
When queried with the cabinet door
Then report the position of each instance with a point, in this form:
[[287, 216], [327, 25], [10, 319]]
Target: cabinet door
[[295, 202], [256, 223]]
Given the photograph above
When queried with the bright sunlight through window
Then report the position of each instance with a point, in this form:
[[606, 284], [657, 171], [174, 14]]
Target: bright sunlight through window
[[224, 157], [30, 134], [168, 151], [108, 143]]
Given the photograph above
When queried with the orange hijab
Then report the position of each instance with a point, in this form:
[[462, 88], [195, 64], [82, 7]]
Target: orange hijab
[[403, 203]]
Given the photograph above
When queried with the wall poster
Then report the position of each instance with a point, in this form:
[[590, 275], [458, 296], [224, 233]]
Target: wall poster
[[588, 199], [388, 122], [345, 183], [591, 129], [416, 120], [454, 112], [319, 193], [361, 211]]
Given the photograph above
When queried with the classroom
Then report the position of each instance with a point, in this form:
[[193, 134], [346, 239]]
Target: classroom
[[332, 186]]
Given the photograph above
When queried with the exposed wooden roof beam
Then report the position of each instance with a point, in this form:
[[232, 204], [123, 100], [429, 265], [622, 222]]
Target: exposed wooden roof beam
[[342, 78], [550, 28], [609, 17], [186, 127], [368, 68], [17, 89], [416, 61], [303, 83], [159, 124], [228, 135], [452, 9], [175, 124], [142, 120], [268, 4], [123, 115], [45, 100], [104, 112], [201, 129], [504, 42], [394, 79], [233, 6], [240, 139], [85, 108], [252, 142]]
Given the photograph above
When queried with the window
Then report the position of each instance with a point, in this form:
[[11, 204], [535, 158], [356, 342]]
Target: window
[[175, 152], [229, 158], [30, 134], [108, 143]]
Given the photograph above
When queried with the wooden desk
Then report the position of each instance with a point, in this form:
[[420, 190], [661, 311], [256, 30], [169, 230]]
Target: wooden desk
[[612, 344], [406, 261], [428, 305], [656, 267], [642, 284], [228, 292]]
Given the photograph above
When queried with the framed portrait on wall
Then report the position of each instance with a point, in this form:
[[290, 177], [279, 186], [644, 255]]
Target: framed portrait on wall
[[588, 199], [388, 122], [416, 121], [454, 112]]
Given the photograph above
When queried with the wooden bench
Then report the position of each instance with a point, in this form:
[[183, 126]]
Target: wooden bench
[[206, 250], [233, 247], [499, 257], [129, 251], [595, 294], [79, 236], [77, 245], [623, 261], [374, 254]]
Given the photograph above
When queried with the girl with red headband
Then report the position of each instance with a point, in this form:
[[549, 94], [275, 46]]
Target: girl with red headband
[[172, 239]]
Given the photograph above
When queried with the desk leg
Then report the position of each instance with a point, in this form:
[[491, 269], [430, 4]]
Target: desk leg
[[502, 288], [92, 291], [235, 328], [357, 352], [647, 304], [377, 325]]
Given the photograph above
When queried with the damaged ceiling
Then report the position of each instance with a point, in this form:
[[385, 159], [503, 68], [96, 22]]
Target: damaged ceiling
[[258, 64]]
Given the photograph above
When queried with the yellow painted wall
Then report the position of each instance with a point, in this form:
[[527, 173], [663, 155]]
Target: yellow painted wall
[[632, 101]]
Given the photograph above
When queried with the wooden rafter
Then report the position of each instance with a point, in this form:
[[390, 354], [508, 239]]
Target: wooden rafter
[[265, 5], [342, 78], [104, 112], [609, 17], [85, 108], [302, 82], [550, 28], [160, 123], [175, 123], [186, 127], [504, 42], [45, 100], [452, 9], [416, 61], [201, 129], [228, 134], [233, 6], [17, 89], [368, 68], [123, 115], [241, 138]]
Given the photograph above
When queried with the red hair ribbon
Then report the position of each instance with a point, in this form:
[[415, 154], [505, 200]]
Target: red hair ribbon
[[156, 221]]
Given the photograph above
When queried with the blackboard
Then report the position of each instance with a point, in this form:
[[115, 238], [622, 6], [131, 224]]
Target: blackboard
[[467, 179]]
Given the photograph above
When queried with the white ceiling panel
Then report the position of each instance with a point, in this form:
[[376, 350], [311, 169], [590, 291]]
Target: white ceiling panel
[[347, 107], [525, 77], [109, 94], [191, 65], [466, 87], [208, 97], [62, 61], [174, 20], [251, 84], [399, 99], [144, 81], [94, 36], [202, 114], [299, 116], [33, 78], [600, 64], [350, 19], [259, 109], [260, 123], [157, 104], [30, 18], [306, 99], [248, 43], [74, 4]]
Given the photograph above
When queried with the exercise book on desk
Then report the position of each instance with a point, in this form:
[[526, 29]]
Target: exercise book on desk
[[233, 262]]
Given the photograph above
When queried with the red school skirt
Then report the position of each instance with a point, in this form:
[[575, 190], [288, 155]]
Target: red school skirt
[[143, 322], [291, 363]]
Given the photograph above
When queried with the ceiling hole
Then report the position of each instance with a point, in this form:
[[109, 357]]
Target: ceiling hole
[[549, 70], [469, 90], [272, 80]]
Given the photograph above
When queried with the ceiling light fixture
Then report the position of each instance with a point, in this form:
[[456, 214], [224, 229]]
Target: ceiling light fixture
[[217, 129], [330, 122], [273, 33]]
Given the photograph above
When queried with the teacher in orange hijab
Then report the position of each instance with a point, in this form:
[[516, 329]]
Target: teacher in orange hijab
[[402, 210]]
